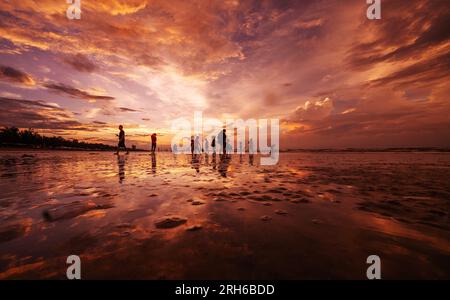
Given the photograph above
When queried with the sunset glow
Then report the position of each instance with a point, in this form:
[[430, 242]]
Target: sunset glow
[[334, 78]]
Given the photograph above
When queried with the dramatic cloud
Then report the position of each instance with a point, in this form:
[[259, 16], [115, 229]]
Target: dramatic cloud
[[81, 63], [74, 92], [334, 77], [99, 123], [421, 73], [409, 29], [313, 110], [125, 109], [35, 114], [15, 76]]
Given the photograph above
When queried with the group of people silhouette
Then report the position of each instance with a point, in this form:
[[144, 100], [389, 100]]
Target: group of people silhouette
[[196, 146], [121, 144], [220, 140]]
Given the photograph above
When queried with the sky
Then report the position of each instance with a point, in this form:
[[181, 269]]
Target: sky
[[333, 78]]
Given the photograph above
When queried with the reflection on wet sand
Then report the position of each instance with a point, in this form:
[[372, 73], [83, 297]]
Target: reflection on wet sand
[[224, 163], [214, 163], [121, 164], [314, 215], [153, 162], [195, 161]]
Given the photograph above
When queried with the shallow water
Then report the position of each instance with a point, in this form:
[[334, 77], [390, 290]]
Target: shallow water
[[314, 215]]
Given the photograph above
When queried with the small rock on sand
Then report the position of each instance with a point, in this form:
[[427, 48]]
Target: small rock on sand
[[170, 222], [72, 210], [263, 198], [194, 228], [241, 208], [266, 218], [220, 199], [317, 221], [281, 212], [124, 225], [197, 202], [303, 200]]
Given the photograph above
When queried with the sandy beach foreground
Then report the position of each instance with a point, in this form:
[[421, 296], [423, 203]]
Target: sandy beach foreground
[[314, 215]]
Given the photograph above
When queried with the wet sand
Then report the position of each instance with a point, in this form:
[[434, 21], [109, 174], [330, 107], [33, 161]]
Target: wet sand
[[313, 216]]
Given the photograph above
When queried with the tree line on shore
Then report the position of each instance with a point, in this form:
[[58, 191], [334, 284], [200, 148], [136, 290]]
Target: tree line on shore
[[14, 137]]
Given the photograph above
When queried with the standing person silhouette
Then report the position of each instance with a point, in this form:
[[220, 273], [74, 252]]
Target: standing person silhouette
[[121, 144], [213, 144], [251, 146], [197, 147], [222, 140], [153, 142], [206, 148], [229, 146], [192, 145]]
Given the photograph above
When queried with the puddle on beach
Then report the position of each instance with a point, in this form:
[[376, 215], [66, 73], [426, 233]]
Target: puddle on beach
[[138, 216]]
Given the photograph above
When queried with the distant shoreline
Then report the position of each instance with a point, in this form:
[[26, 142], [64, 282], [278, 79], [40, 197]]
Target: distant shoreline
[[415, 149], [28, 148], [347, 150]]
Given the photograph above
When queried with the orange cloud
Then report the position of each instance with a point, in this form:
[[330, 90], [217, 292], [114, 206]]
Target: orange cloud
[[15, 76]]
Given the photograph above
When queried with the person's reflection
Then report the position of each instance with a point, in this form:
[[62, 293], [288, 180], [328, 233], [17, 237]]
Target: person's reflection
[[250, 159], [153, 162], [223, 164], [214, 160], [206, 159], [196, 162], [121, 164]]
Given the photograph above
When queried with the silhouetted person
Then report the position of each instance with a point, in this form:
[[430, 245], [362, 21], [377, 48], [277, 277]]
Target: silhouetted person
[[229, 147], [192, 145], [206, 148], [251, 147], [197, 145], [121, 144], [213, 144], [153, 142], [222, 140]]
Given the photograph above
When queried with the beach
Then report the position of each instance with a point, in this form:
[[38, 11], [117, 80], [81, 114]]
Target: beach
[[166, 216]]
